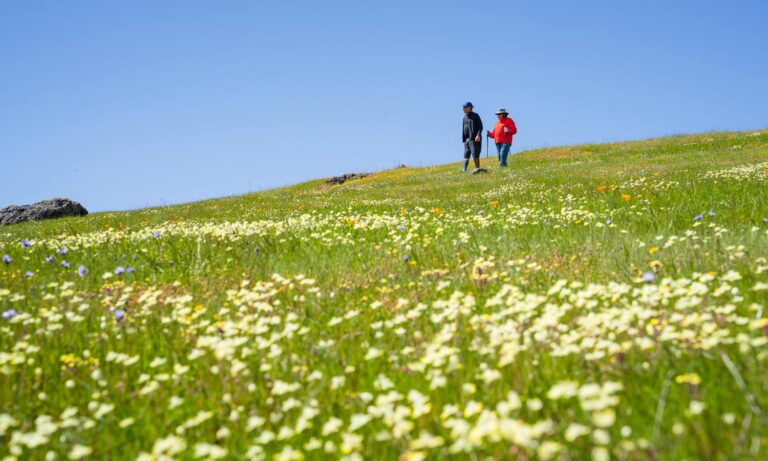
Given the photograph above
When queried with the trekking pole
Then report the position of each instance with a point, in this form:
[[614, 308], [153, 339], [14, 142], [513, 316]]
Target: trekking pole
[[487, 144]]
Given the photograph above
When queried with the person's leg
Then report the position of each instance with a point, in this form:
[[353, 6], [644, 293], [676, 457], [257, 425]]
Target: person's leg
[[478, 149], [498, 151], [467, 154], [504, 153]]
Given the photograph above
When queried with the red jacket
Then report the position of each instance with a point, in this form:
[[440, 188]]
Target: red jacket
[[498, 131]]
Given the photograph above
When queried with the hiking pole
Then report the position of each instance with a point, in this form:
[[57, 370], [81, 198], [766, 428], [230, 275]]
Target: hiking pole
[[487, 144]]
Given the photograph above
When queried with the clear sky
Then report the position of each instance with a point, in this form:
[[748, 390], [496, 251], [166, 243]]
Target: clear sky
[[126, 104]]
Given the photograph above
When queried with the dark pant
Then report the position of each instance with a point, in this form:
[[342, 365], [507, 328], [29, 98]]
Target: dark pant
[[503, 149], [472, 148]]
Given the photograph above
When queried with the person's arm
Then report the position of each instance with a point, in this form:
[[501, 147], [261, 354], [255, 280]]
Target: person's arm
[[479, 127], [490, 133], [512, 127]]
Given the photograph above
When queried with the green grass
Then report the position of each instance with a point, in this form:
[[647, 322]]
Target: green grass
[[589, 302]]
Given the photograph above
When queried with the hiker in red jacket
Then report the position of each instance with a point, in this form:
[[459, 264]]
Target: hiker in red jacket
[[502, 133]]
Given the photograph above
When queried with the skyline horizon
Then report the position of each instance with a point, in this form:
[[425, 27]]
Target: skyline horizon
[[458, 162]]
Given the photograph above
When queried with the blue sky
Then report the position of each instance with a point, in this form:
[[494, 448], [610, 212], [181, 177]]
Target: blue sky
[[129, 104]]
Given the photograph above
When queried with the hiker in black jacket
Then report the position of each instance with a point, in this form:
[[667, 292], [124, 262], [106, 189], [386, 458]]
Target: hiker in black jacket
[[471, 131]]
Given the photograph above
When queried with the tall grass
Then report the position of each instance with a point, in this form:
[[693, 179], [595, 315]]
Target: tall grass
[[597, 301]]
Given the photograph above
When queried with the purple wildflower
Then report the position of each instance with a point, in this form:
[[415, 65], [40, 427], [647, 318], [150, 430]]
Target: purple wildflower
[[119, 270], [481, 211], [65, 264], [156, 234], [62, 251], [9, 314], [28, 274], [711, 214], [49, 259], [119, 315], [697, 217], [170, 262], [401, 227], [406, 258], [25, 243], [649, 277], [82, 271], [7, 259], [129, 270], [609, 221]]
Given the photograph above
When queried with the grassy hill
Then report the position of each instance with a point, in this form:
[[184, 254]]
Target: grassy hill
[[589, 302]]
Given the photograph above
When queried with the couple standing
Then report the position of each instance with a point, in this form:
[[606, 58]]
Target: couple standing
[[471, 136]]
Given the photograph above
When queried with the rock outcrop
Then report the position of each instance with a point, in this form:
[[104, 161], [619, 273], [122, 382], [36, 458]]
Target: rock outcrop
[[47, 209], [346, 177]]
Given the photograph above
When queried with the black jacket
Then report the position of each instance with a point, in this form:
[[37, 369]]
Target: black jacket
[[471, 127]]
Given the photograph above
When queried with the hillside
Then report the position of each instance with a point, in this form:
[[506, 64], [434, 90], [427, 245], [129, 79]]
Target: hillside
[[589, 302]]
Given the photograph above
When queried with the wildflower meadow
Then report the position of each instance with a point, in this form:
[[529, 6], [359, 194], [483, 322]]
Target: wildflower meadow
[[602, 302]]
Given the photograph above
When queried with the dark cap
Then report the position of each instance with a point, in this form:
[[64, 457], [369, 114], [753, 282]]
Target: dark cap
[[468, 104]]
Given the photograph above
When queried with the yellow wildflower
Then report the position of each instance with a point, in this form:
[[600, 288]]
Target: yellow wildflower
[[688, 378]]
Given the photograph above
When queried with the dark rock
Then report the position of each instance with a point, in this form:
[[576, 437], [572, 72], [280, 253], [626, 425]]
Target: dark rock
[[346, 177], [47, 209]]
